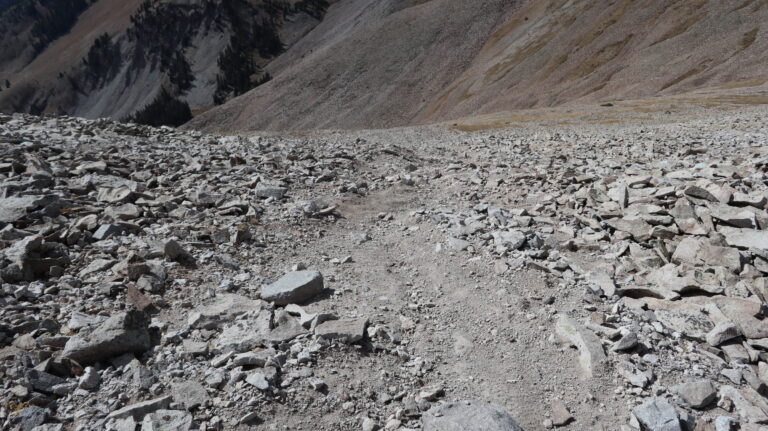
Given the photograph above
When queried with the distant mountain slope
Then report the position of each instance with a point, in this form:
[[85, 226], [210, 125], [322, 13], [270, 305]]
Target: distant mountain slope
[[114, 57], [380, 63], [304, 64]]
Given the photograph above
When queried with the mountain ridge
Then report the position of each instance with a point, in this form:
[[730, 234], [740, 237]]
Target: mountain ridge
[[543, 53]]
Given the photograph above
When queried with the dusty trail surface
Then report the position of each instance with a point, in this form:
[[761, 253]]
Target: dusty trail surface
[[597, 275]]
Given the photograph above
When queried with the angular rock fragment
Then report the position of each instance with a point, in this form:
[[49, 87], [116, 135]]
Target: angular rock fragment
[[468, 416], [125, 332], [638, 228], [116, 195], [346, 330], [722, 332], [167, 420], [137, 411], [745, 238], [698, 394], [750, 405], [591, 354], [657, 414], [294, 288], [270, 192]]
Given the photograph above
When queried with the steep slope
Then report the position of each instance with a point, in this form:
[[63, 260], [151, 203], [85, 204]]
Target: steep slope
[[387, 63], [119, 56]]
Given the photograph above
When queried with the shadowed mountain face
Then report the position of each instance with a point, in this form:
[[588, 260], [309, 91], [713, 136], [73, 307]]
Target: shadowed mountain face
[[4, 4], [308, 64], [97, 58]]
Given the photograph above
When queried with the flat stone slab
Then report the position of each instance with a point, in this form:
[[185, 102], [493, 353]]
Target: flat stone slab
[[591, 352], [468, 416], [347, 330], [122, 333], [698, 394], [139, 410], [294, 288], [745, 238], [657, 414]]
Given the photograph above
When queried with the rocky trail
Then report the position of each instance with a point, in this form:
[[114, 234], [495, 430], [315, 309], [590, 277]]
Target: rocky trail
[[580, 277]]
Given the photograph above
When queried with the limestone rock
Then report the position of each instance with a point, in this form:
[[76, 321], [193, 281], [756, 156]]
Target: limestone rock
[[468, 416], [294, 288], [591, 353], [125, 332]]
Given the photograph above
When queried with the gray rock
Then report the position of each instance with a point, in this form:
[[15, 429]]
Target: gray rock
[[139, 410], [722, 332], [243, 335], [560, 414], [591, 353], [125, 332], [733, 216], [115, 195], [508, 240], [31, 258], [459, 244], [257, 380], [221, 309], [638, 228], [167, 420], [30, 417], [123, 212], [359, 237], [43, 382], [657, 414], [189, 394], [79, 320], [90, 379], [174, 251], [750, 405], [275, 192], [347, 330], [15, 208], [294, 288], [468, 416], [108, 231], [628, 341], [745, 238], [697, 394]]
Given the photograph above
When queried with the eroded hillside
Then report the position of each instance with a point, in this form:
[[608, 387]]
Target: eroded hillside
[[111, 58], [379, 64]]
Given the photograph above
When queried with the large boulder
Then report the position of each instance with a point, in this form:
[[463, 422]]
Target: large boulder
[[468, 416], [657, 414], [122, 333], [294, 288], [15, 208], [31, 258]]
